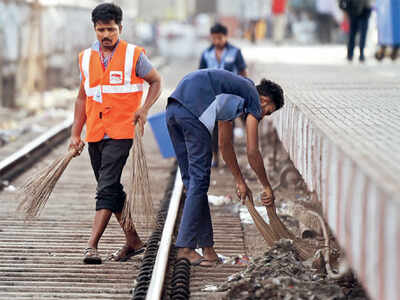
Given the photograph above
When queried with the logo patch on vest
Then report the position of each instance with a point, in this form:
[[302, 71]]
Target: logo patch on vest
[[115, 77]]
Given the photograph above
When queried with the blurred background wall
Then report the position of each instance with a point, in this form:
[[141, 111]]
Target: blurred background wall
[[41, 38]]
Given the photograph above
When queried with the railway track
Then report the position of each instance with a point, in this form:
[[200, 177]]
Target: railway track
[[42, 259]]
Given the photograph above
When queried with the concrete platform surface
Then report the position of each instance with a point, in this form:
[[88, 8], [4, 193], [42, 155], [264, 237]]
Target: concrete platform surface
[[341, 127]]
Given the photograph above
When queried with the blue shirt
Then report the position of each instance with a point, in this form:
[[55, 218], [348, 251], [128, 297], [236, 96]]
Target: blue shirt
[[226, 107], [197, 91], [231, 59]]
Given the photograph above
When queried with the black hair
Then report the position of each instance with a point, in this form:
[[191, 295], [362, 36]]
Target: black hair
[[271, 90], [219, 28], [107, 12]]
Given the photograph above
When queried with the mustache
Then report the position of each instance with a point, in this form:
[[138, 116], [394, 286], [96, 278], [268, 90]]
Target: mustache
[[106, 39]]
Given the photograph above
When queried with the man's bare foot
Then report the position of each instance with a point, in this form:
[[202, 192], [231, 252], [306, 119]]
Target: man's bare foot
[[210, 254], [195, 258]]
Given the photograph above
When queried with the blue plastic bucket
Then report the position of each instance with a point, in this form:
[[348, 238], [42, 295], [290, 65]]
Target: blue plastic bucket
[[159, 127]]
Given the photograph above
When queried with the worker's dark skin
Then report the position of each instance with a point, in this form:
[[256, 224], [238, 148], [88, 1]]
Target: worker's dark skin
[[108, 35], [219, 41], [256, 162]]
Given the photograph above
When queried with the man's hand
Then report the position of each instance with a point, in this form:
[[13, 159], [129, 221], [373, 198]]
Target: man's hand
[[267, 197], [140, 116], [76, 144], [243, 192]]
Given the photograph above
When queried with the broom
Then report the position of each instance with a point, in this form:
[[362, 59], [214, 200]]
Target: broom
[[37, 189], [276, 230], [139, 205]]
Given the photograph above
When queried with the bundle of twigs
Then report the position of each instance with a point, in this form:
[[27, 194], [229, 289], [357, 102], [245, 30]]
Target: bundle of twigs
[[37, 189], [139, 206], [276, 230]]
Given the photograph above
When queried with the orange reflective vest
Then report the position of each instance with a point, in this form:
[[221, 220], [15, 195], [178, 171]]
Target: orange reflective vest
[[113, 95]]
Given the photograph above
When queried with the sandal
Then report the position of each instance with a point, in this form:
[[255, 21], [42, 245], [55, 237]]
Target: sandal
[[213, 263], [91, 256], [117, 255]]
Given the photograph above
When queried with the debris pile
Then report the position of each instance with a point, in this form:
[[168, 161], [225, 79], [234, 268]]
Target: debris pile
[[280, 274]]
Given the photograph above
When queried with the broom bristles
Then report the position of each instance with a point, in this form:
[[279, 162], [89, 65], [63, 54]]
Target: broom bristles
[[277, 230], [138, 207], [37, 189]]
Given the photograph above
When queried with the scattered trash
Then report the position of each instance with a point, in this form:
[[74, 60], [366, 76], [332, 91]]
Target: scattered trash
[[238, 132], [223, 258], [4, 184], [219, 200], [209, 288], [245, 217], [10, 188], [280, 274], [134, 284], [242, 260]]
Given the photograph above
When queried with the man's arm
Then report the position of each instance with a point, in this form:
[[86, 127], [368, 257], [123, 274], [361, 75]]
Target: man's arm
[[241, 64], [153, 78], [79, 120], [255, 159], [203, 62], [225, 136], [243, 73]]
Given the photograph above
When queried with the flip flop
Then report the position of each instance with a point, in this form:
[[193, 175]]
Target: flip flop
[[197, 262], [214, 263], [91, 256], [116, 256]]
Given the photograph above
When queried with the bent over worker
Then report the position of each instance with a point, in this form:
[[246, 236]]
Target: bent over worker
[[191, 113], [109, 99]]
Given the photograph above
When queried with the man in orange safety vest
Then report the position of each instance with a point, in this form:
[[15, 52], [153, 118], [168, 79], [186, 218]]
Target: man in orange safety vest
[[109, 102]]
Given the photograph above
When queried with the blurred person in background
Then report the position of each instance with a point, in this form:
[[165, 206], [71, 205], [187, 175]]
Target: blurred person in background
[[279, 20], [358, 12], [326, 11], [109, 103], [221, 55]]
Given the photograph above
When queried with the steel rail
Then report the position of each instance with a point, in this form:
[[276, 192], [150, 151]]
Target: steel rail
[[16, 163], [159, 270]]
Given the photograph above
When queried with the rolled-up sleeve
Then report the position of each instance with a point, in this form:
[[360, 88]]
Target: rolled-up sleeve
[[203, 62], [143, 66], [239, 61], [225, 82]]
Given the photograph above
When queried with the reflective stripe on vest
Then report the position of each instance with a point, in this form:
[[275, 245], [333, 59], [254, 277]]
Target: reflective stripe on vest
[[127, 87]]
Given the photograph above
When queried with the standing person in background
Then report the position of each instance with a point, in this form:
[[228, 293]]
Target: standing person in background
[[279, 20], [326, 12], [221, 55], [358, 12]]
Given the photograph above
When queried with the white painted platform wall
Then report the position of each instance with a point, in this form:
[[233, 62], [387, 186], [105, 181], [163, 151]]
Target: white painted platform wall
[[363, 215]]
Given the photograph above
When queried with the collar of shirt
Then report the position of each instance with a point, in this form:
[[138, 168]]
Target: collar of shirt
[[212, 57], [104, 60]]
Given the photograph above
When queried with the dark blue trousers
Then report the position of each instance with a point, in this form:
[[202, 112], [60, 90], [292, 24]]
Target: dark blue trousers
[[192, 144], [358, 24]]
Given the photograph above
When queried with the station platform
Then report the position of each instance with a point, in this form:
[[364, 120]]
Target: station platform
[[340, 125]]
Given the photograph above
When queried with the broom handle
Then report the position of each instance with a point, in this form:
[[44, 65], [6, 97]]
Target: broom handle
[[72, 151]]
